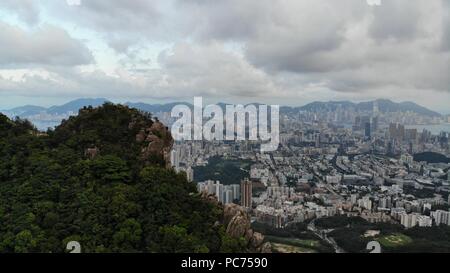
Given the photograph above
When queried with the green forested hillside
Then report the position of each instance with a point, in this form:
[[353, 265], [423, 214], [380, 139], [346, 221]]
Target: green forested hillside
[[88, 181]]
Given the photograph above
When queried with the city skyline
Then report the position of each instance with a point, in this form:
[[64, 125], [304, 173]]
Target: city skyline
[[209, 101]]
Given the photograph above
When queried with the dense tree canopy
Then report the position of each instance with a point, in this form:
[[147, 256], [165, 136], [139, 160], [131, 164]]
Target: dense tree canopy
[[52, 192]]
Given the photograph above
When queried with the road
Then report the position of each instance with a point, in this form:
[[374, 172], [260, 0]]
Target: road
[[330, 189], [312, 227]]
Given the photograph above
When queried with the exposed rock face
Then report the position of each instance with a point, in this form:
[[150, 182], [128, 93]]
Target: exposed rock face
[[232, 210], [249, 235], [265, 248], [257, 240], [91, 153], [212, 199], [141, 136], [237, 222], [238, 225], [159, 142]]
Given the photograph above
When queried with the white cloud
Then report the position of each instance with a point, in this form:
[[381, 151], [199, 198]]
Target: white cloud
[[27, 10]]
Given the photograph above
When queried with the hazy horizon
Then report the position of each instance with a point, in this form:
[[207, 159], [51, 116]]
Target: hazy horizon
[[205, 102]]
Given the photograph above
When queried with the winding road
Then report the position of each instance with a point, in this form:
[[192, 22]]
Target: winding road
[[312, 227]]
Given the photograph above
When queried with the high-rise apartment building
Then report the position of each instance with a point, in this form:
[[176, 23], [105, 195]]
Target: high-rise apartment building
[[246, 193]]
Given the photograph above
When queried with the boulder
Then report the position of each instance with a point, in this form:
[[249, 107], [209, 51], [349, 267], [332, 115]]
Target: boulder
[[265, 248], [231, 210], [248, 236], [152, 138], [91, 152], [257, 240], [160, 142], [211, 198], [140, 137], [158, 127], [238, 225]]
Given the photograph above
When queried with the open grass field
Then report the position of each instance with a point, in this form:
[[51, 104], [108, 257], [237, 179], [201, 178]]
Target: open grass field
[[285, 248], [293, 241], [227, 171], [293, 245], [394, 240]]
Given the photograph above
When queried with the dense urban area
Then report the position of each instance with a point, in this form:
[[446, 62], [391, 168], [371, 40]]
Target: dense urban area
[[378, 172]]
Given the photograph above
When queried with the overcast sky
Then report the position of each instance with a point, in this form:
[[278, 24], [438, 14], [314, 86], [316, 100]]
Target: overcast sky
[[273, 51]]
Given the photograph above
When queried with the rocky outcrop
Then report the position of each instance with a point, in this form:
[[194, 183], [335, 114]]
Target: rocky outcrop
[[232, 210], [238, 225], [158, 142], [141, 136], [248, 235], [266, 248], [257, 240], [212, 199], [91, 153]]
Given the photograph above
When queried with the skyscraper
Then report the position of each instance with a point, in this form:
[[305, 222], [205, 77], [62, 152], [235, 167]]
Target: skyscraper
[[236, 192], [357, 124], [375, 124], [246, 193], [397, 131], [368, 131], [190, 174], [175, 159]]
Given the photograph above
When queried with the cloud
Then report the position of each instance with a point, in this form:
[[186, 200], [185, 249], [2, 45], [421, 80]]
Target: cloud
[[399, 19], [27, 10], [445, 39], [213, 71], [280, 49], [185, 71], [47, 45], [277, 35], [224, 20], [119, 15], [347, 46]]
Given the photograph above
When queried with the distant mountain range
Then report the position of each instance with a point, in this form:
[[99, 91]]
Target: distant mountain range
[[74, 106], [70, 107], [49, 117], [155, 108], [384, 106]]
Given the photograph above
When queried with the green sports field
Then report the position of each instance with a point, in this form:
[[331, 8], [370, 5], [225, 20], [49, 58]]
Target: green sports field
[[394, 240]]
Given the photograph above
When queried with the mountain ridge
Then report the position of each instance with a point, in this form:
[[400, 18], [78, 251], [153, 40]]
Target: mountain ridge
[[75, 105], [384, 105], [44, 118]]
